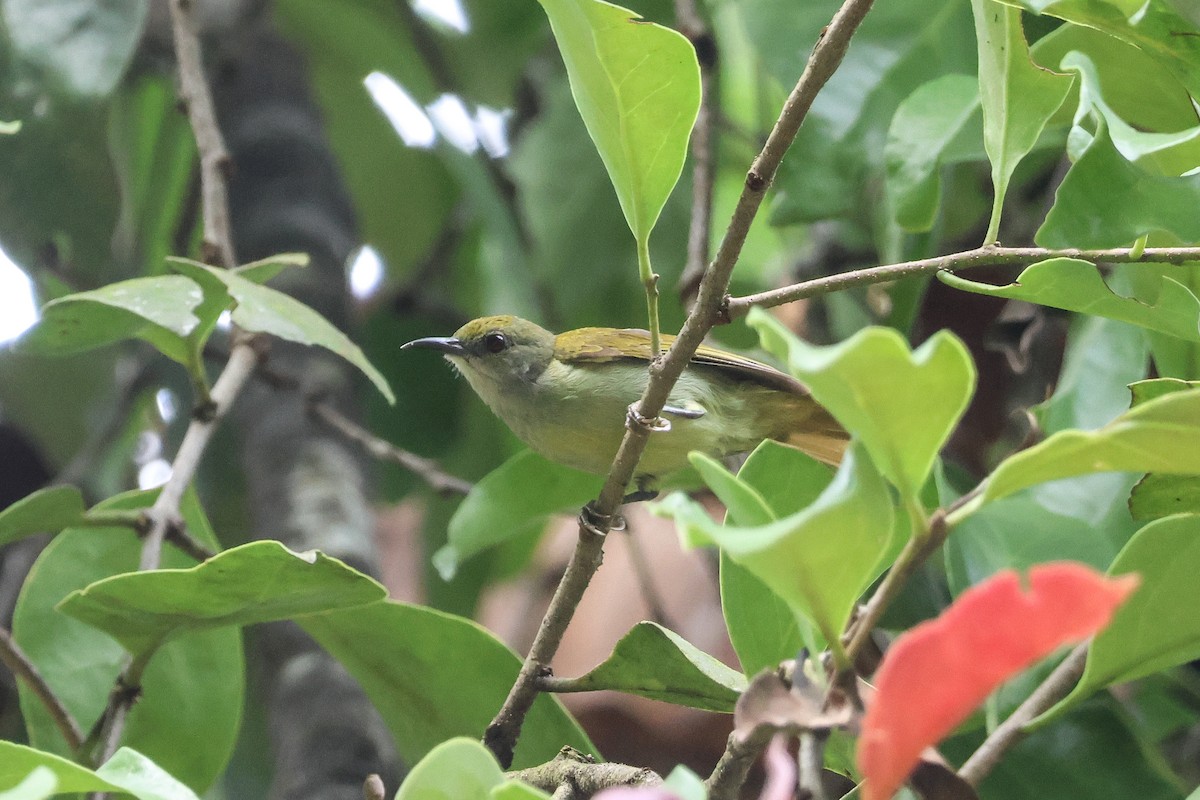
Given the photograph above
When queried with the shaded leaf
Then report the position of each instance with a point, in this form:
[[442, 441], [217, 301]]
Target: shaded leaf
[[508, 502], [654, 662], [257, 582], [49, 509], [990, 633], [637, 86], [819, 559], [1156, 436], [1156, 496], [1157, 628], [882, 392], [434, 676], [1151, 388], [1076, 285]]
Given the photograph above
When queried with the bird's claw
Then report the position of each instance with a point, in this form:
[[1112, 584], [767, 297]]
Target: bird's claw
[[599, 524], [634, 420]]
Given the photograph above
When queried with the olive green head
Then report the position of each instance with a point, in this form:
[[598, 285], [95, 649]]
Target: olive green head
[[503, 348]]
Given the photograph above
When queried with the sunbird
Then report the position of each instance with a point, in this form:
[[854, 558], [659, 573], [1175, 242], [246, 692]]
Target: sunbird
[[567, 396]]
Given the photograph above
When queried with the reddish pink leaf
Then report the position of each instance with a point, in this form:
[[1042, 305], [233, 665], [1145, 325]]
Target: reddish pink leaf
[[933, 676]]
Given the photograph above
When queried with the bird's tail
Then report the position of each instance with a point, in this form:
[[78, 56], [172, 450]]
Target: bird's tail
[[827, 446]]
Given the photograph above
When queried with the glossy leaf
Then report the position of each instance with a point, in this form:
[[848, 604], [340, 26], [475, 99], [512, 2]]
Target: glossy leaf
[[1076, 285], [50, 509], [460, 768], [516, 790], [1156, 629], [925, 125], [85, 46], [1018, 97], [654, 662], [434, 676], [126, 772], [508, 502], [1156, 436], [901, 403], [989, 634], [637, 86], [158, 310], [261, 309], [820, 559], [191, 741], [256, 582], [1104, 201]]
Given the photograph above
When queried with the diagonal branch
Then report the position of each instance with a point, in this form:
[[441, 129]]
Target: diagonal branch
[[19, 664], [501, 736]]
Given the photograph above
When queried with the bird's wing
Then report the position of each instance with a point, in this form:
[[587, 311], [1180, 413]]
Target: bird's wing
[[594, 345]]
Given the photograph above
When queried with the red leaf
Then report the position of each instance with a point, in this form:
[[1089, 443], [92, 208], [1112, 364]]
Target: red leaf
[[933, 676]]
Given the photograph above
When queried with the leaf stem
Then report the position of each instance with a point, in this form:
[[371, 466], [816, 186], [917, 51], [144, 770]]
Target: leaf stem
[[650, 284]]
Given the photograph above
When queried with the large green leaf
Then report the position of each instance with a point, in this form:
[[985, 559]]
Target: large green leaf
[[261, 309], [1018, 97], [85, 46], [1157, 627], [637, 86], [158, 310], [654, 662], [1156, 436], [926, 124], [901, 403], [257, 582], [820, 559], [1105, 201], [1076, 285], [434, 675], [128, 771], [191, 739], [50, 509], [461, 768], [508, 502]]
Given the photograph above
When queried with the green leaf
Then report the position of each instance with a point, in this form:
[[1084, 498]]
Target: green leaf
[[50, 509], [10, 128], [1156, 496], [925, 125], [820, 559], [508, 502], [1156, 628], [1076, 285], [85, 46], [685, 784], [462, 769], [762, 628], [191, 741], [516, 790], [1018, 96], [158, 310], [1104, 201], [126, 772], [261, 309], [901, 403], [654, 662], [637, 86], [1151, 388], [256, 582], [434, 675], [1157, 436], [267, 268]]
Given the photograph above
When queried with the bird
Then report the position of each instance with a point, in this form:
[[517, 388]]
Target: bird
[[567, 396]]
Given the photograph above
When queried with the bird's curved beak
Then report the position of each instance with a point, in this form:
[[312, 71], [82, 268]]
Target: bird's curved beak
[[443, 344]]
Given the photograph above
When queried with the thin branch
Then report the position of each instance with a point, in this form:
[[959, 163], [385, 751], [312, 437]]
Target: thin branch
[[501, 736], [214, 157], [740, 754], [426, 469], [19, 664], [692, 25], [979, 257], [1056, 686], [582, 775], [811, 765]]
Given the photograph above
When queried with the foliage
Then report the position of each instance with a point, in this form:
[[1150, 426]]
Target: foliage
[[1069, 124]]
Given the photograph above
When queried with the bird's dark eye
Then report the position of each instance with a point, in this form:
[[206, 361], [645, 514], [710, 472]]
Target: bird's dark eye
[[495, 341]]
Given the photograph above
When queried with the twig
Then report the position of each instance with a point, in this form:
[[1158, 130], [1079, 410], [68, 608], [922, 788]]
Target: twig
[[583, 775], [501, 736], [424, 468], [966, 259], [693, 26], [811, 763], [740, 754], [19, 664], [1056, 686]]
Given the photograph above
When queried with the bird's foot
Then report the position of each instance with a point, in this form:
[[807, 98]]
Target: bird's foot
[[640, 495], [600, 524]]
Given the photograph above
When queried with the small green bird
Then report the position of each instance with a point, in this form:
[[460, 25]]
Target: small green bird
[[567, 396]]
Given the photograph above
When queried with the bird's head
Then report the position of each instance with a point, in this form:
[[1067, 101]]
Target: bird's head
[[503, 349]]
